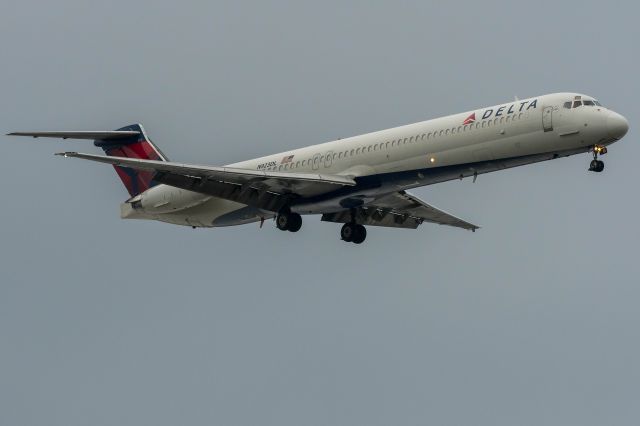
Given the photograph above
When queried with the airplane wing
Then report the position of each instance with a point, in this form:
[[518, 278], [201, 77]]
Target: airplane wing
[[262, 189], [399, 210]]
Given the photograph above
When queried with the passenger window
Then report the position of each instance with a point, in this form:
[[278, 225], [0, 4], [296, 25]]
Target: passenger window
[[567, 105], [441, 132], [424, 136], [576, 104], [303, 162], [358, 151], [495, 121], [352, 152], [446, 132]]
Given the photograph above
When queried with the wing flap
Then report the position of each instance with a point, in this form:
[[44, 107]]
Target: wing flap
[[404, 203], [399, 210]]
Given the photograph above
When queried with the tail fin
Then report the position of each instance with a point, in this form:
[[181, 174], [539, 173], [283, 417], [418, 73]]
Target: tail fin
[[137, 146]]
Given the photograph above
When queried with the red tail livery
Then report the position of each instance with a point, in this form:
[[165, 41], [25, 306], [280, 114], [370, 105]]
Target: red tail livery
[[135, 146]]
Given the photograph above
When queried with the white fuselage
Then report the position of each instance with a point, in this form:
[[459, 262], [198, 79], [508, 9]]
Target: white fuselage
[[460, 145]]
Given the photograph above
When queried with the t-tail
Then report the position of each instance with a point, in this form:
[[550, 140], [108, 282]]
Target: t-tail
[[128, 142], [136, 146]]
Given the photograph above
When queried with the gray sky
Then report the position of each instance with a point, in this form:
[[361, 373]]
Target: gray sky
[[533, 320]]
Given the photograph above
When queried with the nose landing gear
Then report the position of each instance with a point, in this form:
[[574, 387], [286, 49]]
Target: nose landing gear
[[597, 165]]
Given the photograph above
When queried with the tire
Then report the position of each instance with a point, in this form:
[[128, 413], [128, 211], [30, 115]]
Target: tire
[[295, 222], [347, 232], [593, 166], [360, 234], [283, 221], [600, 166]]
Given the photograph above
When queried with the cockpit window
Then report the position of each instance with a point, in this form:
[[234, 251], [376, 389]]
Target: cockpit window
[[577, 103]]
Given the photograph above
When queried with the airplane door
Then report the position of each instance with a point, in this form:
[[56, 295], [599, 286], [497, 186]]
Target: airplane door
[[547, 119], [316, 162]]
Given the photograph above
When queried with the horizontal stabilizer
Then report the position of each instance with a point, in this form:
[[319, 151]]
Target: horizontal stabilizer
[[108, 135]]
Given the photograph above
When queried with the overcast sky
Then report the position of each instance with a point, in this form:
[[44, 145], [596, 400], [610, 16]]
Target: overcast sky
[[533, 320]]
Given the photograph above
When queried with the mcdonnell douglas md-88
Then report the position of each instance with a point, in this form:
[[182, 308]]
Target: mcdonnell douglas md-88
[[356, 181]]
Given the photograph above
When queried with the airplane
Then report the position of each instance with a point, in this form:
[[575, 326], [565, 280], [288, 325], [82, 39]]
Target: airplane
[[357, 181]]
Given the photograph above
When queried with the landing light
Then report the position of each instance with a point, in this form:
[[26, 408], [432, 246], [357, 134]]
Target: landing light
[[600, 149], [433, 160]]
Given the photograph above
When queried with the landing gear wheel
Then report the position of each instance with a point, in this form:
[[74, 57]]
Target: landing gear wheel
[[295, 222], [353, 233], [360, 234], [596, 166], [291, 222], [347, 232], [283, 221]]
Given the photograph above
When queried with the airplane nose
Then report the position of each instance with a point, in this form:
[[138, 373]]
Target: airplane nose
[[617, 125]]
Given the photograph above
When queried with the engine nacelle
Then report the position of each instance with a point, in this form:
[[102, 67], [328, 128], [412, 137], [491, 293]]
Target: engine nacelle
[[166, 199]]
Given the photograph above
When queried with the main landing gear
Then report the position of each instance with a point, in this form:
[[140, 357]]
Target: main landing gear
[[287, 221], [353, 233], [597, 165]]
